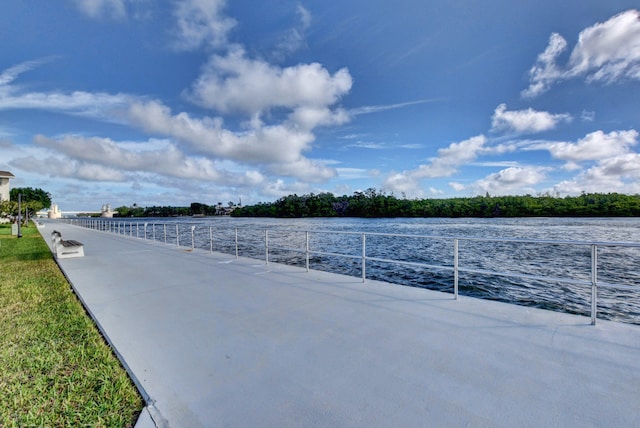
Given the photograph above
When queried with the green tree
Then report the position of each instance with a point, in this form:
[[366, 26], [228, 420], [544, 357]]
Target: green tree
[[38, 197]]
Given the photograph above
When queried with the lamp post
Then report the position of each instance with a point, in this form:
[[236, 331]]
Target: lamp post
[[19, 214]]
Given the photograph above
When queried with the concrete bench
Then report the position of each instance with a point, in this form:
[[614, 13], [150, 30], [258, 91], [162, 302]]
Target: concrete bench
[[64, 249]]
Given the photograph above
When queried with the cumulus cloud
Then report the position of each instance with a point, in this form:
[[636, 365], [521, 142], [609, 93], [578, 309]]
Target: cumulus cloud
[[616, 174], [208, 135], [103, 159], [513, 180], [201, 23], [444, 165], [606, 52], [303, 169], [236, 83], [277, 148], [63, 167], [166, 158], [545, 71], [594, 146], [525, 121], [606, 162]]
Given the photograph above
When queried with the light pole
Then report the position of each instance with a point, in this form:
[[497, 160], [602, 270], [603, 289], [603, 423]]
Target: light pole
[[19, 214]]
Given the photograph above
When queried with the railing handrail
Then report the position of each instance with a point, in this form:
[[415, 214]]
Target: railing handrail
[[120, 227], [465, 238], [402, 235]]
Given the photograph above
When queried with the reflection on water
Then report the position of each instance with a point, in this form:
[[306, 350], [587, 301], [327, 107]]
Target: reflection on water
[[434, 247]]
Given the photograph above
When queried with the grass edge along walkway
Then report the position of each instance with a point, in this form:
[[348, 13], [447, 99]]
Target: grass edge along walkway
[[55, 367]]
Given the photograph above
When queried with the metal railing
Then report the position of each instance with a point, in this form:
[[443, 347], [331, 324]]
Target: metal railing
[[256, 238]]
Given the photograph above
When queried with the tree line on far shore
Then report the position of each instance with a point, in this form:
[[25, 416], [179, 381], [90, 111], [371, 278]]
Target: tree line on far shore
[[195, 209], [377, 204]]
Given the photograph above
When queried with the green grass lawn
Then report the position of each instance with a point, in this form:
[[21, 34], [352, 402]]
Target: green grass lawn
[[55, 367]]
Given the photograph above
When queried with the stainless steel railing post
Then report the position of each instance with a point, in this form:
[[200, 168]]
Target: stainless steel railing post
[[266, 246], [236, 242], [177, 235], [193, 242], [364, 257], [594, 283], [455, 269], [307, 250]]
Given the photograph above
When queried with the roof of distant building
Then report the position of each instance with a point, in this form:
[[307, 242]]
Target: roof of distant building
[[6, 174]]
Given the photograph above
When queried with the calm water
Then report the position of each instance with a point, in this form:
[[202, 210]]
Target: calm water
[[287, 239]]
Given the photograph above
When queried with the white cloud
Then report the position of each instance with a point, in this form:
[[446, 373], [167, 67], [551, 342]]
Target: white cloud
[[606, 52], [610, 50], [98, 105], [201, 23], [513, 180], [305, 16], [378, 108], [610, 161], [458, 187], [98, 8], [12, 73], [403, 183], [588, 116], [63, 167], [626, 165], [444, 165], [525, 121], [367, 145], [165, 158], [278, 147], [294, 39], [352, 173], [616, 174], [545, 71], [101, 106], [102, 159], [594, 146], [115, 9], [235, 83], [451, 157], [303, 169]]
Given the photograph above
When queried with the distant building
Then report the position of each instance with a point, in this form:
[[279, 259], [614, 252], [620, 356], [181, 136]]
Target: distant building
[[5, 188], [106, 211], [54, 212]]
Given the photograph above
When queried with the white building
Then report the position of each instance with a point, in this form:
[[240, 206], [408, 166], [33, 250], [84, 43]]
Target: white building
[[54, 212], [5, 176], [106, 211]]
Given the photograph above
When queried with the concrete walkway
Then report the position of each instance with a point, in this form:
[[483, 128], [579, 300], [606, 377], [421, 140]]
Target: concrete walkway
[[215, 341]]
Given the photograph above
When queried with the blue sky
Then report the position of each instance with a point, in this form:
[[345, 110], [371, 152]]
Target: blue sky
[[171, 102]]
